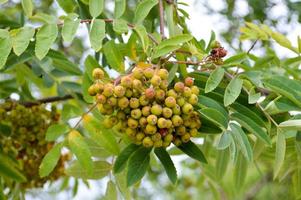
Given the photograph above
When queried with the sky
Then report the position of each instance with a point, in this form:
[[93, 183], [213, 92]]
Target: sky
[[201, 25]]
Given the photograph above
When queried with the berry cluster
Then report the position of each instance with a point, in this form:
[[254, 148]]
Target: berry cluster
[[147, 109], [26, 141]]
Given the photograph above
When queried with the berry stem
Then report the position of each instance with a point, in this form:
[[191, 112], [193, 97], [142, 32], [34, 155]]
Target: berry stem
[[83, 115]]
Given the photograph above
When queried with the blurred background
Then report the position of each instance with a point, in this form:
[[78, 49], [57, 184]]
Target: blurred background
[[224, 17]]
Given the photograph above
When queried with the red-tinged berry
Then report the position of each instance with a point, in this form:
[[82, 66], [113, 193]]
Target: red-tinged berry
[[189, 81]]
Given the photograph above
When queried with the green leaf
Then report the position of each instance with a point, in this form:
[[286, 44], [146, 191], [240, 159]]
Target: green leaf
[[97, 150], [165, 50], [193, 151], [3, 1], [175, 40], [27, 7], [299, 43], [215, 116], [100, 169], [119, 8], [242, 141], [113, 56], [172, 73], [55, 131], [50, 160], [142, 10], [67, 5], [120, 26], [214, 79], [222, 161], [9, 170], [97, 33], [45, 38], [294, 124], [253, 96], [96, 7], [70, 111], [123, 157], [111, 192], [224, 141], [236, 59], [240, 171], [71, 23], [79, 147], [283, 41], [232, 91], [121, 183], [167, 163], [141, 32], [44, 18], [21, 38], [85, 86], [137, 165], [5, 46], [280, 152], [252, 127], [207, 102]]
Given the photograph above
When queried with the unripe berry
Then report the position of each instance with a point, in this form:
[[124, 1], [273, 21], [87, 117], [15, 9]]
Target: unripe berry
[[164, 84], [168, 123], [138, 73], [108, 90], [152, 119], [177, 120], [100, 98], [99, 87], [187, 108], [140, 136], [132, 123], [179, 87], [181, 130], [158, 144], [127, 110], [148, 73], [134, 103], [112, 101], [168, 138], [162, 123], [193, 99], [126, 81], [146, 111], [176, 110], [107, 123], [156, 109], [119, 91], [107, 106], [193, 132], [195, 90], [187, 92], [143, 100], [167, 112], [123, 102], [137, 84], [181, 101], [165, 144], [170, 102], [177, 141], [150, 129], [98, 74], [101, 109], [130, 132], [156, 80], [142, 122], [136, 113], [156, 137], [189, 81], [163, 73], [147, 142], [172, 93], [150, 93], [185, 138], [128, 93], [92, 90], [121, 115], [160, 95]]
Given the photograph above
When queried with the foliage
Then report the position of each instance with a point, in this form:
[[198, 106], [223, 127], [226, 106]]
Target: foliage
[[249, 105]]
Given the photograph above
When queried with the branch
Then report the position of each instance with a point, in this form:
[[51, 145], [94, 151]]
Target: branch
[[46, 100], [252, 46], [161, 15]]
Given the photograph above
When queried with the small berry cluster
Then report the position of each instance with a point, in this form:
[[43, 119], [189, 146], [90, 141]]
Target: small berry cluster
[[26, 140], [144, 107]]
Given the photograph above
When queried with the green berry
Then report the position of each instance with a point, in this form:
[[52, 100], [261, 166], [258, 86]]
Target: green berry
[[146, 111], [155, 80], [123, 102], [177, 120], [128, 93], [92, 90], [121, 115], [150, 93], [167, 112], [130, 132], [160, 95], [140, 136], [162, 122], [134, 103], [152, 119], [100, 98], [126, 81], [158, 144], [156, 137], [170, 102], [168, 123], [112, 101], [98, 74], [143, 122], [137, 84], [132, 123], [165, 144], [143, 100], [147, 142], [138, 73], [193, 99], [187, 108], [179, 87], [148, 73], [172, 93], [185, 138], [150, 129], [99, 87], [177, 141], [181, 130], [168, 138], [119, 91], [176, 110], [193, 132], [181, 101], [164, 84], [163, 73], [195, 90], [136, 113], [108, 90], [156, 109], [187, 92]]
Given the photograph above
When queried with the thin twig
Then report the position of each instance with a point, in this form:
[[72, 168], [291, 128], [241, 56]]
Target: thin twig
[[252, 46], [161, 15], [46, 100], [82, 117]]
